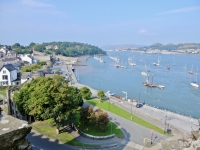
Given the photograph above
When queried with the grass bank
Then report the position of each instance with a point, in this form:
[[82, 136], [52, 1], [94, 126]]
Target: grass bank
[[120, 112], [45, 128], [3, 92], [92, 130]]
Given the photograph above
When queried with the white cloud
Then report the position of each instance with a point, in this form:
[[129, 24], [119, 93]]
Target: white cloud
[[35, 3], [180, 10], [142, 31]]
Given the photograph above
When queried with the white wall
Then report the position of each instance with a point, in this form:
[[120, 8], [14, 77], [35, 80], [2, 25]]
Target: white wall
[[27, 58], [7, 73], [11, 76]]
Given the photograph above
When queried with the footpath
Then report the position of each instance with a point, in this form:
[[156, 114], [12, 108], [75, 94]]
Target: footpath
[[181, 126]]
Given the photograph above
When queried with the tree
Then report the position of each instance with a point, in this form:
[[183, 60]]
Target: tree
[[16, 45], [85, 92], [87, 116], [101, 120], [41, 63], [50, 97], [31, 44], [30, 68], [101, 94]]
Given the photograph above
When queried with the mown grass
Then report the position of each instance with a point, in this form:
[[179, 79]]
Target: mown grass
[[92, 130], [45, 128], [120, 112], [3, 92]]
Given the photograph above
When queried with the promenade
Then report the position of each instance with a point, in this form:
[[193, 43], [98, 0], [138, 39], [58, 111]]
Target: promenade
[[181, 126]]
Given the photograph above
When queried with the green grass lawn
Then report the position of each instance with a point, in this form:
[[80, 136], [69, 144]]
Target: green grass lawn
[[120, 112], [45, 128], [3, 92], [111, 129]]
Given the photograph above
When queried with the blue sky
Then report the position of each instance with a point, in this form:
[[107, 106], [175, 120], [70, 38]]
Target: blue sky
[[105, 22]]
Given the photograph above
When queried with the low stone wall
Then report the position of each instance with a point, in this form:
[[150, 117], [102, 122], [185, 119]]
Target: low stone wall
[[92, 136]]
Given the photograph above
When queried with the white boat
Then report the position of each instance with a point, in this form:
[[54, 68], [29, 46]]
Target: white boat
[[144, 73], [102, 61], [116, 65], [174, 63], [131, 62], [161, 86], [194, 83], [110, 93], [185, 67], [158, 63], [115, 58]]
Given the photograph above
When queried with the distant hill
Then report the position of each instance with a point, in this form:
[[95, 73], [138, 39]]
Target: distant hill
[[170, 46], [122, 46], [71, 49]]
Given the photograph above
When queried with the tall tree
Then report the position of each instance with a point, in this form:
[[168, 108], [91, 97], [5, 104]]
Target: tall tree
[[101, 94], [46, 98], [86, 93]]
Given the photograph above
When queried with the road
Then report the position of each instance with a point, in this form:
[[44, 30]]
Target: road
[[40, 142], [134, 133]]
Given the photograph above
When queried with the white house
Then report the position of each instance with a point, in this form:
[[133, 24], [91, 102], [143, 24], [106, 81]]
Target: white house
[[8, 75], [26, 76], [28, 58]]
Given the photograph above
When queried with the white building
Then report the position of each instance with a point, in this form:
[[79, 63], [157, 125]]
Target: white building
[[26, 76], [28, 58], [8, 75]]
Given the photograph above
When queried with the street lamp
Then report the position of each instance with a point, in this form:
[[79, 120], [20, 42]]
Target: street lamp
[[125, 93], [165, 124], [151, 136], [111, 124]]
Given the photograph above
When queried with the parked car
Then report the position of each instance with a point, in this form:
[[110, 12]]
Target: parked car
[[138, 105]]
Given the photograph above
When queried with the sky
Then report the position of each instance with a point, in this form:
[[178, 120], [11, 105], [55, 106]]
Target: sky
[[100, 22]]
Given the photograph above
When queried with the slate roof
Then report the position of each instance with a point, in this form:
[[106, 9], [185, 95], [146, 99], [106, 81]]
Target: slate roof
[[9, 67], [26, 74], [49, 75]]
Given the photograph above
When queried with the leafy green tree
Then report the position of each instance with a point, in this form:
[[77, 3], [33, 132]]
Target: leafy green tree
[[41, 63], [85, 92], [31, 44], [101, 94], [50, 97], [30, 68], [16, 45]]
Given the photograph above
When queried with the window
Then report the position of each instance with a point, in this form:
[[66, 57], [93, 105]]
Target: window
[[5, 77], [4, 72]]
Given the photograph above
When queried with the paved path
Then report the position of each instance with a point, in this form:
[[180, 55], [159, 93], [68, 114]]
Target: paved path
[[40, 142]]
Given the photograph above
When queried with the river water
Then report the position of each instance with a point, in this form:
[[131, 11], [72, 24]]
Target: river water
[[178, 95]]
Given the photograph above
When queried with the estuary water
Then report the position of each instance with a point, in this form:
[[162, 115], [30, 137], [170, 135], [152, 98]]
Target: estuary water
[[178, 95]]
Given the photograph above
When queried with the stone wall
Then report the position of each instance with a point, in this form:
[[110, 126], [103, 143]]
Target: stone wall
[[13, 133]]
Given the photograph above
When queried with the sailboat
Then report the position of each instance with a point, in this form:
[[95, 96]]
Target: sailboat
[[157, 64], [148, 70], [185, 67], [122, 66], [116, 65], [131, 62], [161, 86], [194, 83], [191, 71], [174, 62], [144, 73], [146, 83], [152, 84], [102, 61]]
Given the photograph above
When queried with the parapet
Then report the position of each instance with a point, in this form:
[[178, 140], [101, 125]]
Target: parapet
[[13, 133]]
